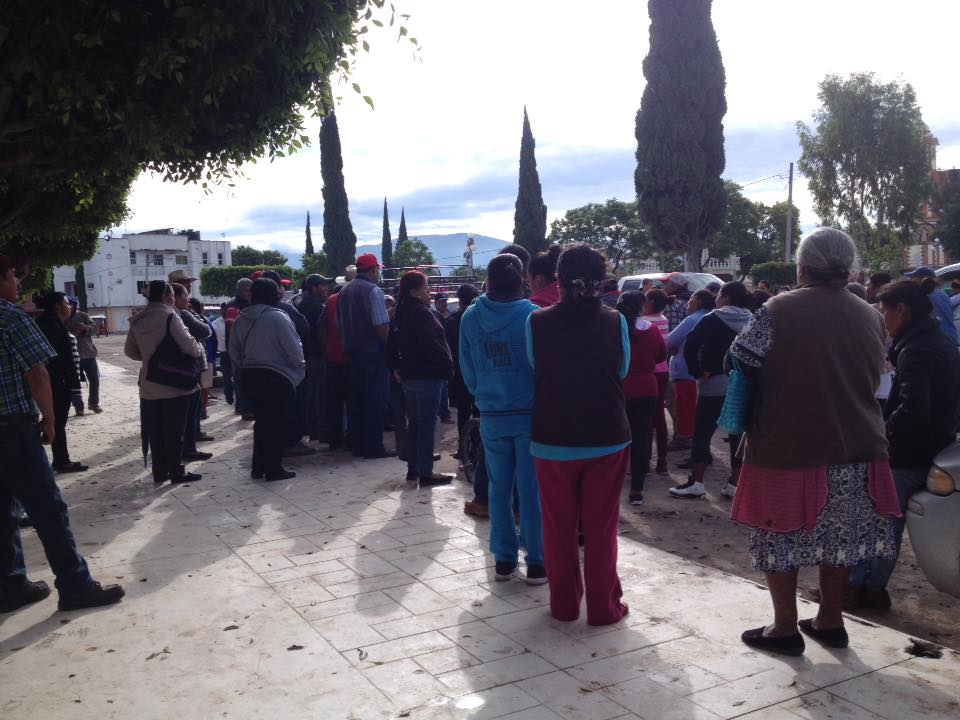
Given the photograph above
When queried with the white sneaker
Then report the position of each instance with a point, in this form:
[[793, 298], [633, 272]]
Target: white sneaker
[[689, 489], [729, 491]]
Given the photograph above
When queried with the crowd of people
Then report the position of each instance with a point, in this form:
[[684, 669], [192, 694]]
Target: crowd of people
[[836, 397]]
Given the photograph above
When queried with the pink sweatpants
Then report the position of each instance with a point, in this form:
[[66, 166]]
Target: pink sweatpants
[[587, 489]]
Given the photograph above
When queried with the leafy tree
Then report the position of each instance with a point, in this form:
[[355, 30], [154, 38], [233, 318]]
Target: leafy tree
[[866, 159], [221, 280], [313, 263], [246, 255], [679, 129], [186, 89], [413, 253], [386, 253], [948, 229], [778, 273], [530, 216], [775, 229], [339, 240], [402, 236], [273, 257], [742, 233], [613, 228], [308, 246]]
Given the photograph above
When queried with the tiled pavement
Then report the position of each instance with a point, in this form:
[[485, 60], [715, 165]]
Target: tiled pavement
[[345, 594]]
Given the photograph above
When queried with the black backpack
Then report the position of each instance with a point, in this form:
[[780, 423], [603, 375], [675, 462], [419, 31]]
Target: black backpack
[[170, 366]]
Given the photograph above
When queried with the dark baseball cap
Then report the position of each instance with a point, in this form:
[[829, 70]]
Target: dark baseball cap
[[922, 272], [315, 279]]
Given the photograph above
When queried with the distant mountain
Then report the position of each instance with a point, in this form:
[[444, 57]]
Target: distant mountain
[[448, 249]]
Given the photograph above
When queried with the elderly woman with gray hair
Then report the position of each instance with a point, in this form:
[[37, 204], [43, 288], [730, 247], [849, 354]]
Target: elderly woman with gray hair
[[816, 489]]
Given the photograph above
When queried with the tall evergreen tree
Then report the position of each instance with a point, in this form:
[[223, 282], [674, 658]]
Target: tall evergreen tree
[[308, 250], [339, 240], [386, 253], [402, 237], [530, 216], [679, 130]]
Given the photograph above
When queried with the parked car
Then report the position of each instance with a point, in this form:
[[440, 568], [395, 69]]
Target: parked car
[[101, 322], [933, 519], [695, 281], [948, 273]]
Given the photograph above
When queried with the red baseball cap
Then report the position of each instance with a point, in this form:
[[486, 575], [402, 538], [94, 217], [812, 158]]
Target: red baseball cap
[[367, 261]]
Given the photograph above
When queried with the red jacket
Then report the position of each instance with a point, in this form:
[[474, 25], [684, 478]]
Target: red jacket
[[334, 339], [646, 350]]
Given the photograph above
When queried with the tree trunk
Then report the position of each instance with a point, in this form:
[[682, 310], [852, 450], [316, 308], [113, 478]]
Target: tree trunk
[[693, 259], [81, 288]]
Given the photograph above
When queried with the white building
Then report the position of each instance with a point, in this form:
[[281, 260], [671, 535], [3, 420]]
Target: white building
[[123, 265]]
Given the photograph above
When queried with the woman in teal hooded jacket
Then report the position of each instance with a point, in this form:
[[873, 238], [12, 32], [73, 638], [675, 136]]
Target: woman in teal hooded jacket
[[497, 372]]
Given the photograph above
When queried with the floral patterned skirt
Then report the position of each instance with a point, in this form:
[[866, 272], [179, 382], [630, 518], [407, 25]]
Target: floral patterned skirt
[[848, 530]]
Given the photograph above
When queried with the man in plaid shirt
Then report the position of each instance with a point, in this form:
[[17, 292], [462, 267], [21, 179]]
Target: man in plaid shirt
[[675, 286], [25, 473]]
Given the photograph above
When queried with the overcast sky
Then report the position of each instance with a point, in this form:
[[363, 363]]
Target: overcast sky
[[445, 136]]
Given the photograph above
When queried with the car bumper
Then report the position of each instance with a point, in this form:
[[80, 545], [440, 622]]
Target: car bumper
[[934, 525]]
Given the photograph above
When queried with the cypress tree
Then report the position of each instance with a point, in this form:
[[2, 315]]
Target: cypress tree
[[339, 240], [402, 237], [530, 216], [679, 129], [308, 250], [386, 253]]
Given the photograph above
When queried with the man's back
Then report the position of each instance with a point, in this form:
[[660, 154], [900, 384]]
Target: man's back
[[360, 309]]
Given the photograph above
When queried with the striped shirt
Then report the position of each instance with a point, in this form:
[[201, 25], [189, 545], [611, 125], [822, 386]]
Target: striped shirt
[[22, 348]]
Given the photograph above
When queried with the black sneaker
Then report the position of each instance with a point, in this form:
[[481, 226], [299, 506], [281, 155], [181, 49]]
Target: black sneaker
[[97, 409], [536, 575], [94, 595], [26, 593], [687, 464], [505, 571], [281, 474]]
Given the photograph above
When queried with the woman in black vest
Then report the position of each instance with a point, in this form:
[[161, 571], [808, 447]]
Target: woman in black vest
[[580, 350], [64, 372]]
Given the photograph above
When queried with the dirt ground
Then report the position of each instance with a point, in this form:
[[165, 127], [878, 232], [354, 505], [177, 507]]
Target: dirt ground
[[701, 531]]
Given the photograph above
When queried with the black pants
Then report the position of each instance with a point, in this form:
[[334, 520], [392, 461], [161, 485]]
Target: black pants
[[272, 396], [336, 401], [398, 410], [640, 413], [463, 401], [704, 425], [166, 420], [61, 409]]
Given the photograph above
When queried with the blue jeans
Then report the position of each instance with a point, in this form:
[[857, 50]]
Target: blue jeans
[[90, 370], [422, 399], [26, 476], [443, 410], [876, 573], [369, 387], [506, 444]]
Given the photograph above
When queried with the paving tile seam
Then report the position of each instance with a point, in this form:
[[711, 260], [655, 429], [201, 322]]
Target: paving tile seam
[[824, 688]]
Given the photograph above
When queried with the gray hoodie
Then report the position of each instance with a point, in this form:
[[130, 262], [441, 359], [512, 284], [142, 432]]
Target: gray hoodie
[[264, 337]]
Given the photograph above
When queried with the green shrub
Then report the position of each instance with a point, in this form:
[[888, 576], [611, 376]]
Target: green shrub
[[221, 280], [778, 273]]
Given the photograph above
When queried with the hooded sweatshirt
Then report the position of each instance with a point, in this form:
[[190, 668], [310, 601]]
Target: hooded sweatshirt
[[707, 346], [493, 356], [264, 337]]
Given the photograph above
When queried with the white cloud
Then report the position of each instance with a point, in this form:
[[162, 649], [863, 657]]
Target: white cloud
[[455, 117]]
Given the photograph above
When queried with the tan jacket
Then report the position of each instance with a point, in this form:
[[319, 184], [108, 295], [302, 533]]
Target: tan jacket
[[147, 329]]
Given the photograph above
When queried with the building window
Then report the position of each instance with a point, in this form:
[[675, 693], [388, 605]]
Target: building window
[[89, 286], [133, 257], [219, 258], [181, 259], [206, 259], [158, 259]]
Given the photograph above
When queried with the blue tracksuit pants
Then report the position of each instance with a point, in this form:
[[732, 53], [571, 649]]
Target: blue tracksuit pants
[[506, 444]]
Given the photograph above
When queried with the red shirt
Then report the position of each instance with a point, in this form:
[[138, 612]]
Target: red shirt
[[550, 295], [647, 349], [334, 339]]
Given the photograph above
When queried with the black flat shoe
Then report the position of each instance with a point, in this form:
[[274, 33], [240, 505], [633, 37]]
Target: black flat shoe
[[197, 456], [71, 467], [786, 645], [437, 479], [26, 593], [256, 474], [184, 478], [831, 638], [280, 475]]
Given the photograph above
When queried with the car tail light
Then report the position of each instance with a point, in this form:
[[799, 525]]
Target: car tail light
[[939, 482]]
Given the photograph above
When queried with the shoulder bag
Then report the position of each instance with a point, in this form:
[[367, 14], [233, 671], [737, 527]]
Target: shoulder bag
[[170, 366]]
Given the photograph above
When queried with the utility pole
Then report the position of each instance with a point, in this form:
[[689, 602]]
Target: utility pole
[[468, 255], [790, 215]]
